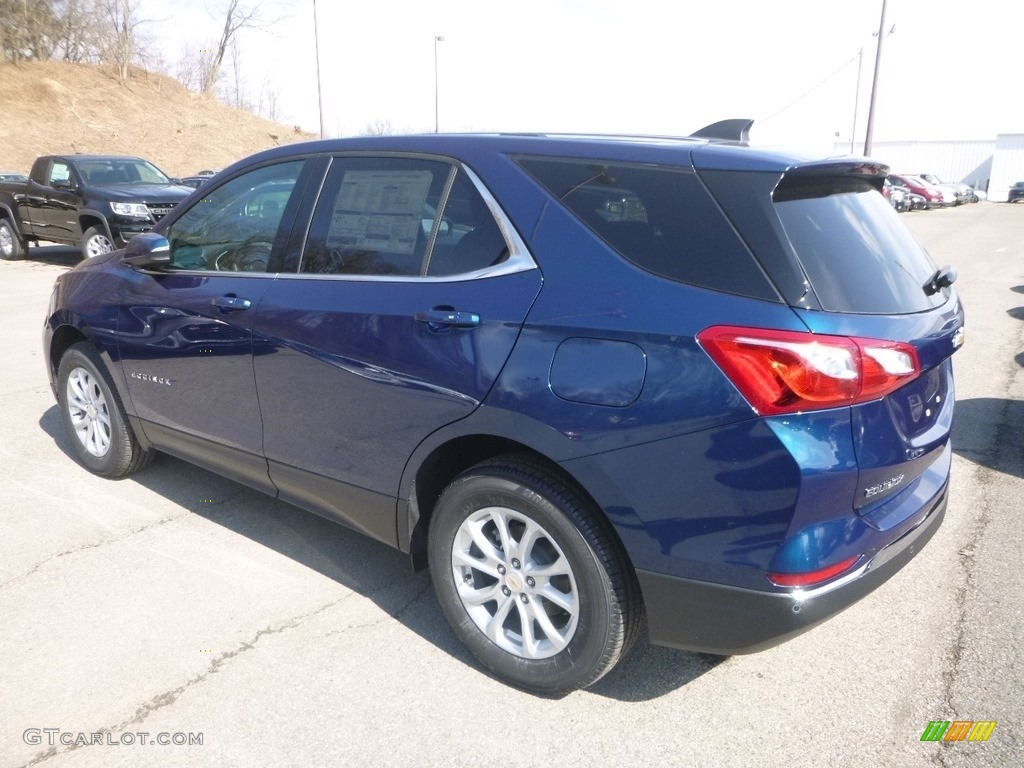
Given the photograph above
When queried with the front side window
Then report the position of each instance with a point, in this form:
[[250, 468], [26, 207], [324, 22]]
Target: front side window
[[60, 172], [401, 217], [235, 227]]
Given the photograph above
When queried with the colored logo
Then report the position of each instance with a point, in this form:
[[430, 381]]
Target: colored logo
[[958, 730]]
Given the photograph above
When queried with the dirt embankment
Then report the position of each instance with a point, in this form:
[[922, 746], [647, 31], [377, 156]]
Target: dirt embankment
[[52, 107]]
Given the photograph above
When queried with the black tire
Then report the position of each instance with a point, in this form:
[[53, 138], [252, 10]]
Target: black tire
[[580, 623], [94, 416], [96, 242], [11, 246]]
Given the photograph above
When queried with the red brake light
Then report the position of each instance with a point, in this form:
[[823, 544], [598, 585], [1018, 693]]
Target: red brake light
[[810, 578], [787, 371]]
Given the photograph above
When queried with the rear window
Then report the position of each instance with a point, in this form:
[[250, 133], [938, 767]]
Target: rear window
[[661, 219], [857, 254]]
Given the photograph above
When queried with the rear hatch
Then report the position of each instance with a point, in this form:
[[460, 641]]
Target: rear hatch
[[849, 267]]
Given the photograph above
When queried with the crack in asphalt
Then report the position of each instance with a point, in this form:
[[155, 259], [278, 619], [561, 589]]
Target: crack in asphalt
[[391, 616], [94, 545], [986, 474], [204, 505], [168, 698]]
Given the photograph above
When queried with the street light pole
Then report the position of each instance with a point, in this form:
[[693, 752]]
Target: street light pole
[[874, 85], [319, 93], [437, 39]]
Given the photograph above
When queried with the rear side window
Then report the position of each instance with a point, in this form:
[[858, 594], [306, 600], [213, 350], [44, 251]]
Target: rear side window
[[858, 256], [661, 219], [402, 217]]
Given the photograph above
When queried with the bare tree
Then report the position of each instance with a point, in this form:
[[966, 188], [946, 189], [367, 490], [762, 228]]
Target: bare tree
[[119, 47], [269, 105], [236, 18], [27, 29], [378, 127], [76, 37]]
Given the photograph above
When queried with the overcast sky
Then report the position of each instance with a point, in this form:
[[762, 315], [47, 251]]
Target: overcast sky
[[950, 69]]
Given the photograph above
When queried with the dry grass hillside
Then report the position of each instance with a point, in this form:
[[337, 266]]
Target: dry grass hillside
[[52, 107]]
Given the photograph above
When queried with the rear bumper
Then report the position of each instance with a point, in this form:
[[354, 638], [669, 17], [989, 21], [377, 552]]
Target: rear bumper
[[714, 618]]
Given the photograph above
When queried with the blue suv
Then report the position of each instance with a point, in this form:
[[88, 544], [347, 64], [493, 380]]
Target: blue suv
[[592, 383]]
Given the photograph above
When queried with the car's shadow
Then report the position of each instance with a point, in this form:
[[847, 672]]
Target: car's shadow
[[369, 568], [989, 431], [58, 255]]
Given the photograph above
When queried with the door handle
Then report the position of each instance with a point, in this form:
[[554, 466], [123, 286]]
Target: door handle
[[441, 318], [230, 303]]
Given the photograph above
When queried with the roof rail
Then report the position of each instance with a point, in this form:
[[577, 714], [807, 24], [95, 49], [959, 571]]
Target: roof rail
[[737, 129]]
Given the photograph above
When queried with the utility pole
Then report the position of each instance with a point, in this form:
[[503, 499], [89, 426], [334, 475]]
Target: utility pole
[[874, 85], [437, 39]]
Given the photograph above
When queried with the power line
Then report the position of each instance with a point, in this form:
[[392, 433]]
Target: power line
[[809, 91]]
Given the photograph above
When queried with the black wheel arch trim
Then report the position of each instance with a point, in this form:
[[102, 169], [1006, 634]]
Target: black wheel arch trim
[[519, 433], [86, 215], [11, 219]]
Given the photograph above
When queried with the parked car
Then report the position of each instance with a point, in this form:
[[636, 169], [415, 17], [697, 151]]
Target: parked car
[[964, 192], [897, 196], [933, 196], [193, 181], [198, 180], [1016, 192], [97, 202], [914, 201], [12, 176], [612, 381]]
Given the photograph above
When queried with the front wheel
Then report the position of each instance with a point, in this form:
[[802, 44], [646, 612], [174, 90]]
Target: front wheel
[[11, 247], [531, 577], [94, 417], [95, 243]]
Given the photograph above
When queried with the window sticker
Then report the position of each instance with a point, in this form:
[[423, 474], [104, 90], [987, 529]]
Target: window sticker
[[379, 210], [60, 172]]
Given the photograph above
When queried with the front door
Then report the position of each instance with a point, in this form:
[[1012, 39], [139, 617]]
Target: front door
[[185, 332]]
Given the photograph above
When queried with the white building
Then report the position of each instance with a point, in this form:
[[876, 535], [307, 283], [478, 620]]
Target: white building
[[992, 166]]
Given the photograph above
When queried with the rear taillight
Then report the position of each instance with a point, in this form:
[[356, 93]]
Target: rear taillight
[[787, 371]]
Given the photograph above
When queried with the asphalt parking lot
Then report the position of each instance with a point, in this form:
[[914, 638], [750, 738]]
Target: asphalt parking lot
[[179, 606]]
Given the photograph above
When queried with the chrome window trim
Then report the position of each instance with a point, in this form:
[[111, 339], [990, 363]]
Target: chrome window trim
[[519, 257]]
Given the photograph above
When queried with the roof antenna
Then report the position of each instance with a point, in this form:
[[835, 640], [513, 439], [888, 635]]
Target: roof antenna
[[737, 129]]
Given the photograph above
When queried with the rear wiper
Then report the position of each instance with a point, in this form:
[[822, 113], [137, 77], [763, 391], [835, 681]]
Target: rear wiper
[[943, 278]]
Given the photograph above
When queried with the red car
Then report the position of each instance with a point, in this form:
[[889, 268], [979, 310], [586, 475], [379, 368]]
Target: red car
[[931, 194]]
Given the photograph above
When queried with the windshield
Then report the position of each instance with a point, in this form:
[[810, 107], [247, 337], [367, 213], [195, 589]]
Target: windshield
[[115, 171]]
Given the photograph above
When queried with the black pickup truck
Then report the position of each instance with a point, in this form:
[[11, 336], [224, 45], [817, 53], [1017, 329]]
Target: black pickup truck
[[96, 201]]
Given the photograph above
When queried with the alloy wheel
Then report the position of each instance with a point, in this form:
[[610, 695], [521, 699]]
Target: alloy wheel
[[515, 583], [90, 416]]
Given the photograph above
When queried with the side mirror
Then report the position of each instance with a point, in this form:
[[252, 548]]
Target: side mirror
[[61, 184], [147, 250]]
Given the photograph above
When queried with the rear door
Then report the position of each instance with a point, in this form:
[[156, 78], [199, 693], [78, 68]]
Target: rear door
[[405, 306]]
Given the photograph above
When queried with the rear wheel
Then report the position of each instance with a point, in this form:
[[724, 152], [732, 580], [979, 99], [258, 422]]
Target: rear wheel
[[95, 243], [11, 247], [531, 578], [94, 417]]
